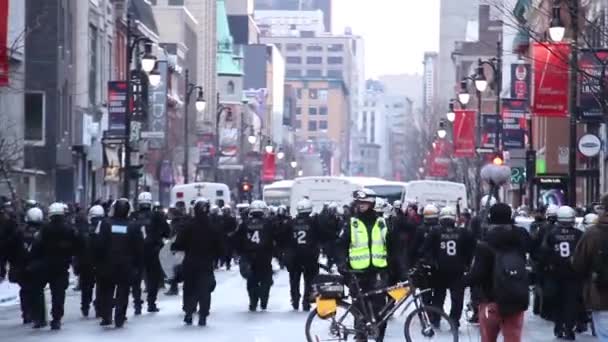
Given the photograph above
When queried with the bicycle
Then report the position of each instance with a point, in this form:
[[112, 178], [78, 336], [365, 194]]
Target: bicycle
[[365, 324]]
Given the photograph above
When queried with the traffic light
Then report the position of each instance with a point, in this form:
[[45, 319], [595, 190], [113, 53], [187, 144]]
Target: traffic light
[[498, 160], [246, 190], [246, 187]]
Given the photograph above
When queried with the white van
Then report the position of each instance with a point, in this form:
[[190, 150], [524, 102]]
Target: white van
[[189, 192], [320, 190], [278, 193], [440, 193]]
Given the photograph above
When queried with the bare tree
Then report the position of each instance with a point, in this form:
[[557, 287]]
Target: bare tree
[[11, 150]]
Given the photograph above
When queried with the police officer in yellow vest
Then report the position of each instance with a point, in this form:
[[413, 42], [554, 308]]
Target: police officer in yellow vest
[[364, 248]]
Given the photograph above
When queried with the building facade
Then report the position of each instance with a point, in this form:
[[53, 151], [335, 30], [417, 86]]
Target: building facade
[[299, 5], [430, 79]]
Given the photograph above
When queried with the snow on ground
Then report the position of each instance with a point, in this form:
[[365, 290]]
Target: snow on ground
[[229, 321], [9, 293]]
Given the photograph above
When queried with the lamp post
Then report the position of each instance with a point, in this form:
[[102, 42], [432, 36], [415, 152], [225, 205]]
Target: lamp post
[[442, 132], [481, 84], [220, 109], [557, 32], [200, 105], [478, 136], [146, 64]]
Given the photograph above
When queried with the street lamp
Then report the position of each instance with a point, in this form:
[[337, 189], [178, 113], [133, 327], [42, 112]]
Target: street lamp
[[463, 95], [294, 164], [442, 132], [148, 61], [200, 103], [451, 116], [154, 77], [280, 154], [481, 83], [269, 148], [300, 173], [557, 30], [252, 139]]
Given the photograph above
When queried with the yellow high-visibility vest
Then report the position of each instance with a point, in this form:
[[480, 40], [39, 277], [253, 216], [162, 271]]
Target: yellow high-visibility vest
[[360, 255]]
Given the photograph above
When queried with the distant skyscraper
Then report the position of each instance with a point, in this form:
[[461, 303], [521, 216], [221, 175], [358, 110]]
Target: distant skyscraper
[[430, 80], [298, 5]]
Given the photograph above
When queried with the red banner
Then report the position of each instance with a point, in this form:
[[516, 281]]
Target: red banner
[[464, 133], [269, 167], [550, 79], [4, 43], [439, 160]]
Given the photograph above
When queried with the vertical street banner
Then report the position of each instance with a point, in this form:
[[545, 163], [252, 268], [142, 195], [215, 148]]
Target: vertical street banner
[[157, 100], [489, 123], [513, 123], [464, 133], [439, 165], [592, 93], [521, 77], [550, 79], [4, 44], [117, 108], [269, 167], [206, 151]]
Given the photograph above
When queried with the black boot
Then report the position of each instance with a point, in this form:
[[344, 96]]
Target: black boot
[[85, 312], [120, 322], [295, 304], [305, 305], [188, 319], [202, 321], [39, 325], [105, 322], [55, 324], [153, 308], [137, 310]]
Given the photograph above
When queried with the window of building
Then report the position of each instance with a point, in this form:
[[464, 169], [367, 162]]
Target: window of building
[[337, 74], [312, 126], [176, 2], [298, 111], [335, 60], [312, 111], [373, 128], [314, 73], [335, 47], [298, 124], [92, 65], [294, 60], [314, 60], [323, 110], [299, 93], [314, 48], [323, 124], [313, 94], [323, 95], [230, 88], [294, 47], [34, 117], [293, 73]]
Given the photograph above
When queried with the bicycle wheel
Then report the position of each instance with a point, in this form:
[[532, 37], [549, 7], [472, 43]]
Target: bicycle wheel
[[331, 328], [419, 328]]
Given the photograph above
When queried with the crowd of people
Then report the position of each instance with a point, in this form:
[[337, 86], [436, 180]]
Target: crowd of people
[[114, 250]]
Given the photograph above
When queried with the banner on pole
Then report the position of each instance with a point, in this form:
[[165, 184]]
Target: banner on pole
[[464, 133], [117, 108], [550, 79], [4, 44], [439, 161], [521, 77], [594, 68], [488, 131], [513, 123], [269, 167]]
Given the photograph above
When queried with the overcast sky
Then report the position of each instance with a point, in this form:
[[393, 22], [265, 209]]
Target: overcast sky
[[396, 32]]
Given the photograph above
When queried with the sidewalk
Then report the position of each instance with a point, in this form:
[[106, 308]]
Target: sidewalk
[[8, 292]]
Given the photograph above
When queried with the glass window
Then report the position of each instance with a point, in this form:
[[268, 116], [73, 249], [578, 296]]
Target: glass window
[[335, 47], [322, 110], [294, 47], [323, 95], [92, 65], [298, 124], [299, 93], [294, 60], [337, 74], [323, 124], [176, 2], [293, 73], [314, 73], [312, 111], [313, 94], [312, 125], [314, 60], [314, 48], [298, 111], [335, 60], [34, 117]]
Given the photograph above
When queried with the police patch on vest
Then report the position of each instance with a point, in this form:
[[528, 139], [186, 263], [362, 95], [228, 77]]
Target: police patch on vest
[[119, 229]]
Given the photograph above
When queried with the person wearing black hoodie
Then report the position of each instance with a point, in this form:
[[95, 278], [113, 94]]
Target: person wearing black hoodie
[[501, 235], [53, 249], [202, 242]]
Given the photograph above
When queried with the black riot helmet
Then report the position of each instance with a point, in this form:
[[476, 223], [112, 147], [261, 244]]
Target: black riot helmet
[[121, 208], [201, 207]]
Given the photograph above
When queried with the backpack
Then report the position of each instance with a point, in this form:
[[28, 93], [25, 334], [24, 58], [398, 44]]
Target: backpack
[[599, 267], [510, 282]]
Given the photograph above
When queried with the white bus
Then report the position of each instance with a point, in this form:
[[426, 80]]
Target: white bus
[[278, 193], [440, 193], [189, 192], [320, 190], [389, 190]]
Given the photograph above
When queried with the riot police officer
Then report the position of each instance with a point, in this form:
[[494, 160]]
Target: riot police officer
[[545, 283], [120, 253], [8, 228], [449, 250], [202, 243], [154, 228], [330, 227], [303, 253], [179, 219], [84, 265], [229, 226], [282, 224], [561, 243], [256, 240], [53, 249]]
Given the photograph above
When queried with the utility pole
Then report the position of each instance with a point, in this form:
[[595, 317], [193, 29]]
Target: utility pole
[[572, 107], [126, 186], [186, 149]]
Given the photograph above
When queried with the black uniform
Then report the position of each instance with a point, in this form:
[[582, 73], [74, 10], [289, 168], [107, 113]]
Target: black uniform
[[155, 228], [178, 224], [229, 226], [23, 271], [330, 228], [561, 243], [256, 242], [449, 250], [282, 228], [53, 250], [120, 254], [403, 244], [302, 255], [8, 228], [545, 283], [84, 265], [202, 243]]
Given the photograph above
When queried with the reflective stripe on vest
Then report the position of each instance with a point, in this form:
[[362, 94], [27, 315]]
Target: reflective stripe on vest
[[359, 253]]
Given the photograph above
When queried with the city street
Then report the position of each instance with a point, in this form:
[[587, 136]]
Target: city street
[[229, 321]]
